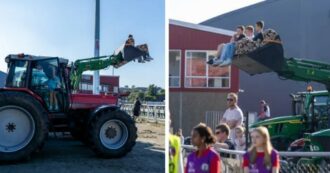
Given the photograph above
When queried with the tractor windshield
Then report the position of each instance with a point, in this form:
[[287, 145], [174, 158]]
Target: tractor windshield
[[17, 74], [321, 111]]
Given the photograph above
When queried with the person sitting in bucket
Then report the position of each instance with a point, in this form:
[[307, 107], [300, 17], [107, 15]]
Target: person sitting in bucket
[[128, 52]]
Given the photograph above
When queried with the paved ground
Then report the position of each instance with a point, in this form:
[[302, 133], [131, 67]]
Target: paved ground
[[68, 156]]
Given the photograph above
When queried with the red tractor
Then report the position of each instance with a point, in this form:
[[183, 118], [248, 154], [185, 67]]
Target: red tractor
[[39, 98]]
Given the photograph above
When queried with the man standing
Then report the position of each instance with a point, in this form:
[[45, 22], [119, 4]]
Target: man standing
[[233, 115], [137, 108]]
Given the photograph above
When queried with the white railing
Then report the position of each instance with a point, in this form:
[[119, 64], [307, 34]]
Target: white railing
[[281, 153], [151, 111], [317, 162]]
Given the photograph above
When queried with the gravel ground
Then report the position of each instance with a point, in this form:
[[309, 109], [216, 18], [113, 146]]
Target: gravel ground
[[62, 154]]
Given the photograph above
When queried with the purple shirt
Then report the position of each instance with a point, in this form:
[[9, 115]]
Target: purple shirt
[[259, 166], [204, 164]]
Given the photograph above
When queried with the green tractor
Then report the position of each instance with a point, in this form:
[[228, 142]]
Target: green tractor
[[313, 142], [310, 113]]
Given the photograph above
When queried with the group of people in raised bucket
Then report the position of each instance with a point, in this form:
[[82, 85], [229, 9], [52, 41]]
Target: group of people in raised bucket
[[119, 57], [246, 39]]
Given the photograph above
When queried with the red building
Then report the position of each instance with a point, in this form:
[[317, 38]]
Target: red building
[[108, 84], [197, 90]]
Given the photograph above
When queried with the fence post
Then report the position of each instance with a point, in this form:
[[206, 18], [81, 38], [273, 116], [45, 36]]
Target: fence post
[[247, 130]]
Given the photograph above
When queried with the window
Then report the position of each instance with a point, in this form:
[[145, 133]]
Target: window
[[90, 87], [105, 88], [83, 86], [321, 111], [200, 75], [17, 74], [174, 65], [45, 74]]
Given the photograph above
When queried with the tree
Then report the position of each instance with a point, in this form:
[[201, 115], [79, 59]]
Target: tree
[[153, 93]]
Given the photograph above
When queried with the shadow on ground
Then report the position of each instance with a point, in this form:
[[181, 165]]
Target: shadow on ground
[[64, 155]]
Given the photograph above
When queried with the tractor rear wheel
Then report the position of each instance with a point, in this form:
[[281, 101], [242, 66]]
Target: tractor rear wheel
[[23, 126], [112, 134]]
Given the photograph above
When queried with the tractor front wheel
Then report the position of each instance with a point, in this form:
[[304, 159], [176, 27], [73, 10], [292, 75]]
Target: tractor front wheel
[[112, 134], [23, 126]]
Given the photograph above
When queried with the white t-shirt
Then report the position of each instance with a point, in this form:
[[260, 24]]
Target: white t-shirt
[[250, 37], [233, 114], [238, 145], [267, 112]]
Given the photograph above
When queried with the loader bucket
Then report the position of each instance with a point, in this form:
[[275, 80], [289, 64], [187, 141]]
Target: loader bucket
[[131, 52], [267, 58]]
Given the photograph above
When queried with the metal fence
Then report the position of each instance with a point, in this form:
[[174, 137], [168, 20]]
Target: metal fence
[[151, 111], [290, 162], [212, 118]]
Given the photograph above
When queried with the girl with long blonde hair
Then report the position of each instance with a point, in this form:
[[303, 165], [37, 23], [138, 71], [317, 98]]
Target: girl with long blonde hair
[[261, 157]]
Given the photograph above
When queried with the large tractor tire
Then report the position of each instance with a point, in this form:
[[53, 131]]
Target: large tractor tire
[[23, 126], [112, 133]]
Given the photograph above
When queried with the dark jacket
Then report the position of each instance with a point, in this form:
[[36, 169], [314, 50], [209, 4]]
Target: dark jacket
[[137, 107]]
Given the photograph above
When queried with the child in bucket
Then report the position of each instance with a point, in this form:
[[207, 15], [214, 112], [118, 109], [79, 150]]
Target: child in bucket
[[261, 157], [129, 51], [118, 56], [225, 51], [205, 159]]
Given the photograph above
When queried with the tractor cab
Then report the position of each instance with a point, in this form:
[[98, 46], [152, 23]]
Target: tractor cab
[[43, 76], [314, 107], [319, 110]]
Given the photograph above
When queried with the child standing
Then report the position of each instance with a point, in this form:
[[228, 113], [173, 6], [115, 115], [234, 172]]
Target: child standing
[[240, 143], [205, 159]]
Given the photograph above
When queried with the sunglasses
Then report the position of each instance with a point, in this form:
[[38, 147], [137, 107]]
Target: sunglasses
[[230, 100]]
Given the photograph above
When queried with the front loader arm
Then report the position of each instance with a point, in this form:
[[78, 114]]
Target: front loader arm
[[270, 58], [129, 53]]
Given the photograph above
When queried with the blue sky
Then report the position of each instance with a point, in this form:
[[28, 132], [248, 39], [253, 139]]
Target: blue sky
[[65, 28]]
